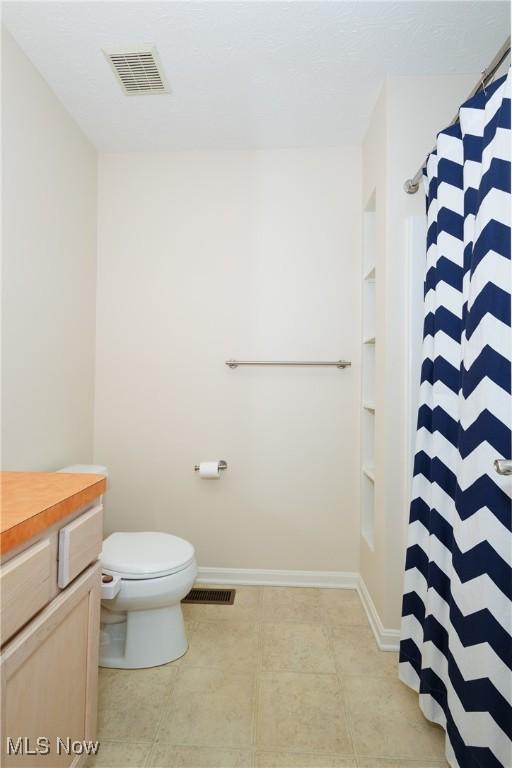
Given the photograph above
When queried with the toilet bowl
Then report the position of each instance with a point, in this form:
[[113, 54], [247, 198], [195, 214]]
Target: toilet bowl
[[142, 624], [141, 620]]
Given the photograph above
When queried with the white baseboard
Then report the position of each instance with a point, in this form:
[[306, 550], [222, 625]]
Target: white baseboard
[[386, 639], [262, 577]]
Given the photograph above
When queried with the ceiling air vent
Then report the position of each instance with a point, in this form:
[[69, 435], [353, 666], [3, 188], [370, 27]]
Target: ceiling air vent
[[138, 69]]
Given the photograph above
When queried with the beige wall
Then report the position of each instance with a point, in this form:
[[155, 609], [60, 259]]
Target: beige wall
[[48, 274], [204, 256], [409, 113]]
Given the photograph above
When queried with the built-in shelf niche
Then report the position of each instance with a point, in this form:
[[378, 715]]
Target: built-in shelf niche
[[369, 276], [367, 439], [368, 372], [369, 235], [367, 510]]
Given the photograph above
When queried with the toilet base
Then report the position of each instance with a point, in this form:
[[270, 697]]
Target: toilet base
[[146, 639]]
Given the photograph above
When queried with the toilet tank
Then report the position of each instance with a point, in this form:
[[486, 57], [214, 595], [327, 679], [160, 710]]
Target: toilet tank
[[92, 469]]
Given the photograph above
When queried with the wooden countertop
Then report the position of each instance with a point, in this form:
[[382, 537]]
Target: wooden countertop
[[33, 501]]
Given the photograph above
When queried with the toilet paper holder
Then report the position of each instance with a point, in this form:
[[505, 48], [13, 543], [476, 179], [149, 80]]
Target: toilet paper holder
[[222, 465]]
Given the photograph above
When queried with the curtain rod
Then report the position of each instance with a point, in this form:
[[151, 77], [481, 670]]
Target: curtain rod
[[412, 185]]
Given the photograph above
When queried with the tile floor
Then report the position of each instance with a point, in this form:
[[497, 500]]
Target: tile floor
[[284, 678]]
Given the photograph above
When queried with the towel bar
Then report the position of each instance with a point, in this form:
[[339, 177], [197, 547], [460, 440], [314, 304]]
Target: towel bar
[[324, 363]]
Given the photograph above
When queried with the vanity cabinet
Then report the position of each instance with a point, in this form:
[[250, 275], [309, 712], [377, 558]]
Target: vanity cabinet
[[50, 588]]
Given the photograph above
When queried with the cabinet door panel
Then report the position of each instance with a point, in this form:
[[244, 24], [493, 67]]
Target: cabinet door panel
[[49, 676]]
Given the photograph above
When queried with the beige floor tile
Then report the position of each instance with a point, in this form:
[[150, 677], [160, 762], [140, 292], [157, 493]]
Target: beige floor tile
[[230, 645], [302, 713], [299, 760], [169, 756], [383, 696], [120, 754], [130, 702], [210, 707], [385, 720], [356, 653], [342, 606], [246, 607], [299, 604], [297, 648]]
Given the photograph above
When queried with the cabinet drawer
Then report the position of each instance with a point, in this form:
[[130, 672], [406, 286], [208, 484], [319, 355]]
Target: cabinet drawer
[[79, 544], [25, 587]]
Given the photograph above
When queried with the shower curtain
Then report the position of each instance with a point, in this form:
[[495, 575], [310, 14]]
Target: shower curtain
[[456, 637]]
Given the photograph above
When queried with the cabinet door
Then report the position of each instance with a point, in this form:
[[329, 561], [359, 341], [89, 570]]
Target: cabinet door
[[49, 678]]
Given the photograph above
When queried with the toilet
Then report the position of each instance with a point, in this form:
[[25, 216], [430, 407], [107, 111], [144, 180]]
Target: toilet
[[148, 573], [142, 624]]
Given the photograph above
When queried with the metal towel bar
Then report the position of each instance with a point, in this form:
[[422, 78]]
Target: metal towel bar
[[325, 363]]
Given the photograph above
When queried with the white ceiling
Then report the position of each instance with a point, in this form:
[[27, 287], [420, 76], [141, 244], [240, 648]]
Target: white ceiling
[[248, 74]]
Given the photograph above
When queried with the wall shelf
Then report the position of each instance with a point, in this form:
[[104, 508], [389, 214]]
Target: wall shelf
[[368, 288]]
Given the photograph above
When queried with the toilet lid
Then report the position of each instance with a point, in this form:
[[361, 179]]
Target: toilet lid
[[145, 555]]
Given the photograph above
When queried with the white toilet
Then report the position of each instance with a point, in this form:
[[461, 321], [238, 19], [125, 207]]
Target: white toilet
[[141, 620], [142, 625]]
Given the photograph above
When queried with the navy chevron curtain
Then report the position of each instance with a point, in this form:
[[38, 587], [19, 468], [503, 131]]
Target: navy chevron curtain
[[456, 638]]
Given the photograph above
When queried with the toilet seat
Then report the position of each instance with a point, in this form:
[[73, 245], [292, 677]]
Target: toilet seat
[[145, 555]]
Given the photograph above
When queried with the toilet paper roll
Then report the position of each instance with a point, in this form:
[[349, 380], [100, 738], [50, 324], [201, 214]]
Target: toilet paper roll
[[209, 470]]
